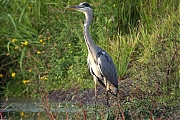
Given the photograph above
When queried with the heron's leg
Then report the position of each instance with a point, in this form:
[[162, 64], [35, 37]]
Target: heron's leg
[[106, 86], [95, 91], [107, 98], [95, 94]]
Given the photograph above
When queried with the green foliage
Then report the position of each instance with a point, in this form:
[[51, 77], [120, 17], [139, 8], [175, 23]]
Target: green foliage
[[41, 41]]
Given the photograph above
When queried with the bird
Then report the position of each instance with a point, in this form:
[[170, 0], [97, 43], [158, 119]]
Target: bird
[[99, 62]]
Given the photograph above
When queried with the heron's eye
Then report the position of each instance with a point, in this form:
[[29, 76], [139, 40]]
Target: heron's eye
[[82, 6]]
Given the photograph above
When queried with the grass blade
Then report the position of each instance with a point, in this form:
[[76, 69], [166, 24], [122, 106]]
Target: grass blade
[[12, 20], [22, 57]]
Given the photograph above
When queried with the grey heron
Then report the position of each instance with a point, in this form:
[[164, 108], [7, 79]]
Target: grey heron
[[99, 62]]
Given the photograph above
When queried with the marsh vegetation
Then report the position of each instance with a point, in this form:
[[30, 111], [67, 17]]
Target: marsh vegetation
[[42, 49]]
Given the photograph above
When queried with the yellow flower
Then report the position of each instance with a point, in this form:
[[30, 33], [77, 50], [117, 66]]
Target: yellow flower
[[43, 78], [40, 40], [26, 81], [13, 74], [29, 70], [69, 44], [26, 43], [38, 52], [1, 75], [22, 114], [13, 40], [44, 43], [49, 38], [114, 5]]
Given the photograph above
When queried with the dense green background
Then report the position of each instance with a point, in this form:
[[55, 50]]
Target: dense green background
[[43, 42]]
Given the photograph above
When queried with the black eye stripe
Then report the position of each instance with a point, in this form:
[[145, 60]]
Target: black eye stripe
[[84, 4]]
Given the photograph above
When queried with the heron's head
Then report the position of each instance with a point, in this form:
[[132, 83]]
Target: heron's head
[[82, 7]]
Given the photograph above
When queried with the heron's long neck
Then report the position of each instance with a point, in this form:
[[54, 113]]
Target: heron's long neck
[[88, 39]]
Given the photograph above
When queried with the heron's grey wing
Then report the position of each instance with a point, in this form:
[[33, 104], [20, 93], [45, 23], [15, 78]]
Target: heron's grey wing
[[107, 68]]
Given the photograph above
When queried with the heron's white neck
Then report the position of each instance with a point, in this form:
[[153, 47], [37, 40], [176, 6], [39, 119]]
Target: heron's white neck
[[88, 39]]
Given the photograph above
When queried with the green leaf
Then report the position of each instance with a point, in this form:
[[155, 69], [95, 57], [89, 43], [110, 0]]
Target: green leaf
[[22, 57]]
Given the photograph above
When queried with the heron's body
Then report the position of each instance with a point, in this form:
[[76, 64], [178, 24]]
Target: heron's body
[[101, 67], [99, 62]]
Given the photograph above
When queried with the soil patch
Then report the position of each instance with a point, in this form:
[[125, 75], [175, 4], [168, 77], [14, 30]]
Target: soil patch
[[87, 96]]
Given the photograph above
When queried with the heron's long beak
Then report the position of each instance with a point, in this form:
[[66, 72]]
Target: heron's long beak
[[73, 7]]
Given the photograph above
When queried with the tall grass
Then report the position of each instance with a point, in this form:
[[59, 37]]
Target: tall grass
[[42, 38]]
